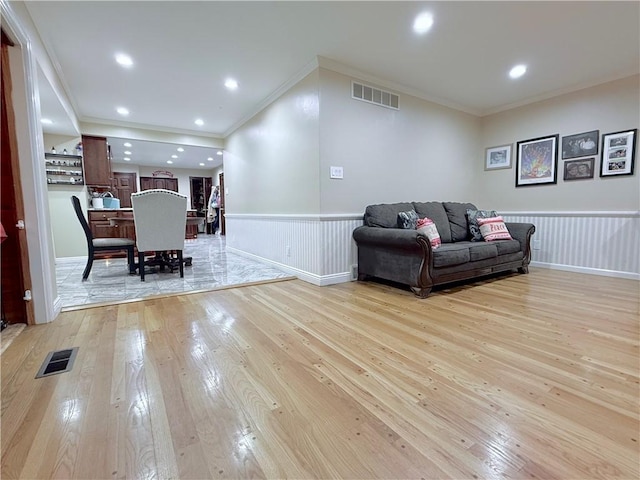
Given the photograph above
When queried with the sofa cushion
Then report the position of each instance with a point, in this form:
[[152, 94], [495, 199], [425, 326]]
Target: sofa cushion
[[436, 212], [472, 219], [450, 254], [384, 214], [493, 229], [408, 219], [482, 251], [426, 227], [507, 246], [457, 215]]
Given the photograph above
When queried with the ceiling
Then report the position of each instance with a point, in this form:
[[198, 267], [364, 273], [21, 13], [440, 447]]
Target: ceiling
[[184, 51]]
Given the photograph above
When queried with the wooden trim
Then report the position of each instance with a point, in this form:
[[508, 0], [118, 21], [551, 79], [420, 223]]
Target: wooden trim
[[11, 139], [5, 39]]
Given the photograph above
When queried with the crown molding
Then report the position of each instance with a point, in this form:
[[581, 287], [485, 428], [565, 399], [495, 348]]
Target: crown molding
[[149, 128]]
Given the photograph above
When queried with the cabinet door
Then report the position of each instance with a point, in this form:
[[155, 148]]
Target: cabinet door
[[97, 165], [147, 183]]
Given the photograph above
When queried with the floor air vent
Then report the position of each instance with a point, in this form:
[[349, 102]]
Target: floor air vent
[[374, 95], [58, 362]]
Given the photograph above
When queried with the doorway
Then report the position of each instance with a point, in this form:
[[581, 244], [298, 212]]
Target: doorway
[[122, 186], [16, 279]]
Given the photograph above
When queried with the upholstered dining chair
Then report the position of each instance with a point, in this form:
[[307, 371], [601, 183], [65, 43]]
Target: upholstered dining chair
[[95, 245], [160, 217]]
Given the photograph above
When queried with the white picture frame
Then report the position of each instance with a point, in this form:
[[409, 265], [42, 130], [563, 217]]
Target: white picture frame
[[497, 158]]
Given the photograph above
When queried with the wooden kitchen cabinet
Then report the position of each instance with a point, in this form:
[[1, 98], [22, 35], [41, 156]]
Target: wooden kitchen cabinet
[[100, 227], [148, 183], [97, 161]]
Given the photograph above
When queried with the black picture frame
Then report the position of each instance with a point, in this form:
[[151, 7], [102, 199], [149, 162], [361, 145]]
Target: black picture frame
[[582, 169], [618, 153], [580, 145], [537, 161]]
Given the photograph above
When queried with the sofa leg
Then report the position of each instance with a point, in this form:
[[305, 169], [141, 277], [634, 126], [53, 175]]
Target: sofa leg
[[362, 277], [523, 269], [421, 292]]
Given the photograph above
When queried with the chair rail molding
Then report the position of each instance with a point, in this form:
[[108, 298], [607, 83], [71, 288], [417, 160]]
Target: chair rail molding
[[319, 248], [595, 242]]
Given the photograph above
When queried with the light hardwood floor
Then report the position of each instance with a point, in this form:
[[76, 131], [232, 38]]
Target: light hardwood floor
[[525, 376]]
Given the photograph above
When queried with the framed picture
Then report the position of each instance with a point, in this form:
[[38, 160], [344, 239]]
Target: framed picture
[[580, 145], [579, 169], [498, 157], [537, 161], [618, 153]]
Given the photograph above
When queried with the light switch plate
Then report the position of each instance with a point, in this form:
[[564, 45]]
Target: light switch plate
[[336, 172]]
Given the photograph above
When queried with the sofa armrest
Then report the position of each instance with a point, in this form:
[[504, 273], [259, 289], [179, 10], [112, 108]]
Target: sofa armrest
[[521, 231], [388, 237]]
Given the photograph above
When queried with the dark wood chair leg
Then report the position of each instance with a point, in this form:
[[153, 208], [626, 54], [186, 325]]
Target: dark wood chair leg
[[131, 260], [141, 265], [87, 269], [181, 263]]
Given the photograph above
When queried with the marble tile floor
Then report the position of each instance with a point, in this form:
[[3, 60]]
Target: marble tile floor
[[109, 280]]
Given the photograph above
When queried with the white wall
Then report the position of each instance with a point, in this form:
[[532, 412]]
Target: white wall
[[609, 107], [271, 162], [422, 152]]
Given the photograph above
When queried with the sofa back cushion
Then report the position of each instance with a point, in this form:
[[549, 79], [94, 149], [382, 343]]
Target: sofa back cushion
[[436, 212], [457, 215], [385, 214]]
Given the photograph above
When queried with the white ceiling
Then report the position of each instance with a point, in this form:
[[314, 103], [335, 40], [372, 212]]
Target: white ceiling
[[183, 52]]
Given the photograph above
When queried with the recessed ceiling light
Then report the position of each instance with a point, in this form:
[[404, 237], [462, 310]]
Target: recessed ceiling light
[[122, 111], [180, 149], [210, 159], [126, 159], [423, 23], [169, 162], [174, 156], [46, 121], [201, 164], [219, 152], [127, 152], [124, 60], [127, 144], [231, 84], [199, 122], [518, 71]]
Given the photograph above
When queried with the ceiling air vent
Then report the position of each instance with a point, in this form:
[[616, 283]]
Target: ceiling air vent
[[374, 95]]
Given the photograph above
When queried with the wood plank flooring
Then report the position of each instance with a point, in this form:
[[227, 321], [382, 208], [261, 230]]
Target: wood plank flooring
[[524, 376]]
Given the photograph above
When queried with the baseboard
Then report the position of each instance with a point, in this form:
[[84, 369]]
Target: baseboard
[[70, 259], [319, 280], [587, 270]]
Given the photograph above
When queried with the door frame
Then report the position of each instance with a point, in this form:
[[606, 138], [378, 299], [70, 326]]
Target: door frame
[[29, 136]]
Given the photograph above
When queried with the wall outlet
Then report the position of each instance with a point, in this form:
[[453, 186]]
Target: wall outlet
[[537, 245], [336, 172], [354, 272], [287, 250]]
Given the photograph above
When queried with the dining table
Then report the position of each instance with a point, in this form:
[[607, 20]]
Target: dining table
[[127, 224]]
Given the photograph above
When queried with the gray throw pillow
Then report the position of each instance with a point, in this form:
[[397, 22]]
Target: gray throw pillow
[[474, 228], [408, 219]]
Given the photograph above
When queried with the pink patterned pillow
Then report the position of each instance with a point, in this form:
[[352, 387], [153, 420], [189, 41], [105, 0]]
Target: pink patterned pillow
[[426, 227], [493, 229]]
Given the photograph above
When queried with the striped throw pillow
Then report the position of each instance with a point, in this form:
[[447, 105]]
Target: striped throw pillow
[[426, 227], [493, 229]]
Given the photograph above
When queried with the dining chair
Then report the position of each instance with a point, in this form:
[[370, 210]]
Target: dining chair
[[95, 245], [160, 218]]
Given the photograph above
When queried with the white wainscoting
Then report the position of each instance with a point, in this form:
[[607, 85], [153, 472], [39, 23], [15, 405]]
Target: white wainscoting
[[321, 249], [316, 248], [602, 243]]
